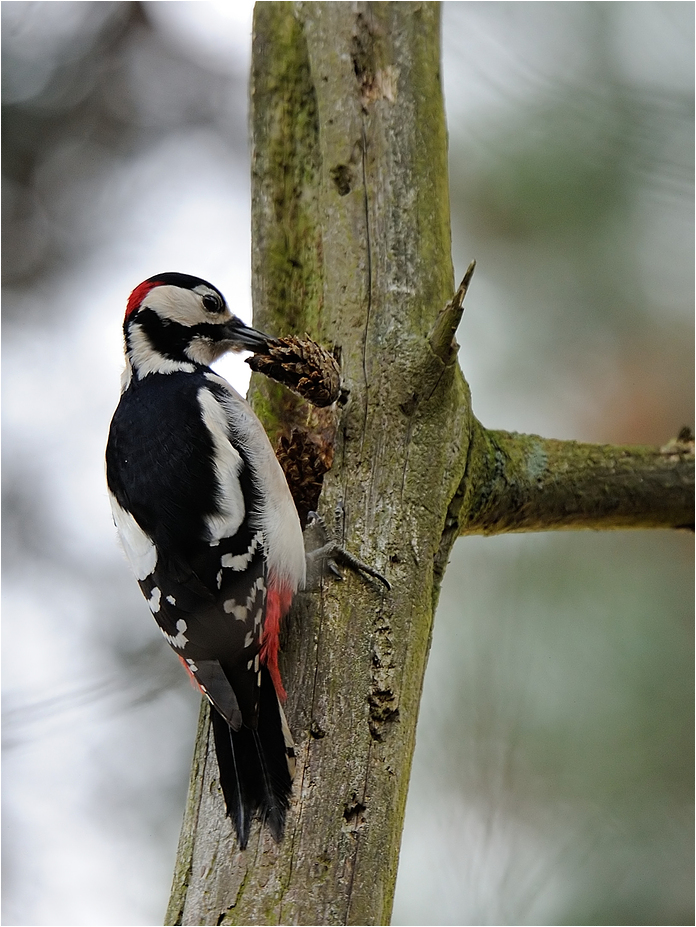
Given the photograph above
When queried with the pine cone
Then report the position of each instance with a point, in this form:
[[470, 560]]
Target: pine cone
[[305, 458], [303, 366]]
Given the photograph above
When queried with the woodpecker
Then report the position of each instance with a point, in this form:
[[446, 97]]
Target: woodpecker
[[210, 529]]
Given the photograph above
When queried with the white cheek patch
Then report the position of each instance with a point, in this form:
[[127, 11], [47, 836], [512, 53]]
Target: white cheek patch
[[139, 549], [181, 305], [206, 350]]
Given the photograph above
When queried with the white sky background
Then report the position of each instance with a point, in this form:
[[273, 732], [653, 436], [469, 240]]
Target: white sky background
[[184, 206]]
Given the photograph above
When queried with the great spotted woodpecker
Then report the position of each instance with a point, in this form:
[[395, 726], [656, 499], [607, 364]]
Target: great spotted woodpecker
[[208, 524]]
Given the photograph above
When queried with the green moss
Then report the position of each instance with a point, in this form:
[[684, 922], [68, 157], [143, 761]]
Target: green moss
[[287, 132], [275, 405], [431, 138]]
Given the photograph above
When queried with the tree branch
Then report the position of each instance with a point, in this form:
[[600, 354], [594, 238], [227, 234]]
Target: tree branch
[[517, 482]]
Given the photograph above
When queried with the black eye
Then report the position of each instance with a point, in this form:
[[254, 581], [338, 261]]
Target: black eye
[[212, 303]]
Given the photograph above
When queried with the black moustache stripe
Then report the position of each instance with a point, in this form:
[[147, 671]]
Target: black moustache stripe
[[172, 338]]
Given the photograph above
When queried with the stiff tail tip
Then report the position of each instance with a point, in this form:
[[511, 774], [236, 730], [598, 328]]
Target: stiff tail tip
[[256, 767]]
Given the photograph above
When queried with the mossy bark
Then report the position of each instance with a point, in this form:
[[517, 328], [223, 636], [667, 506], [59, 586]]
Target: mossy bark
[[517, 482], [351, 243]]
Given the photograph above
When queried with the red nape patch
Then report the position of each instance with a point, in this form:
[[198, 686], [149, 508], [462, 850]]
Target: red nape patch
[[278, 601], [138, 295]]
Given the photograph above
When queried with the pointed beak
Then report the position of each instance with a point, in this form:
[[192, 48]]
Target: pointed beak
[[246, 338]]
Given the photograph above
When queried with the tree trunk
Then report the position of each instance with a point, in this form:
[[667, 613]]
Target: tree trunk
[[351, 243]]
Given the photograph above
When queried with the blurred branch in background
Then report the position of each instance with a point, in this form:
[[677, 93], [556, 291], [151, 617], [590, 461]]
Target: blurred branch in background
[[552, 781], [572, 184]]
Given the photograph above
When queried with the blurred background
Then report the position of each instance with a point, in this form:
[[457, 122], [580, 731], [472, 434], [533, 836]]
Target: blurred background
[[552, 781]]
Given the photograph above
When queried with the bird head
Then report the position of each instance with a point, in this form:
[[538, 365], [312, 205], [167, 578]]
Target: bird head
[[177, 322]]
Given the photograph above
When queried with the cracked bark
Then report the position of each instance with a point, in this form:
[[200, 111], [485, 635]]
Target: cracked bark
[[351, 243]]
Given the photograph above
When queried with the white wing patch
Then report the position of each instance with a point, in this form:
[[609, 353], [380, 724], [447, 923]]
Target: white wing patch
[[154, 600], [239, 562], [241, 611], [139, 549], [178, 640], [278, 516], [228, 466]]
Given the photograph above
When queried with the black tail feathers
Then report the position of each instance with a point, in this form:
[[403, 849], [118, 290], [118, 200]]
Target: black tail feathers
[[255, 766]]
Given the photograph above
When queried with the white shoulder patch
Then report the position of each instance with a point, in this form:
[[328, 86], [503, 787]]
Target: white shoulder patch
[[228, 466], [139, 549], [277, 518]]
